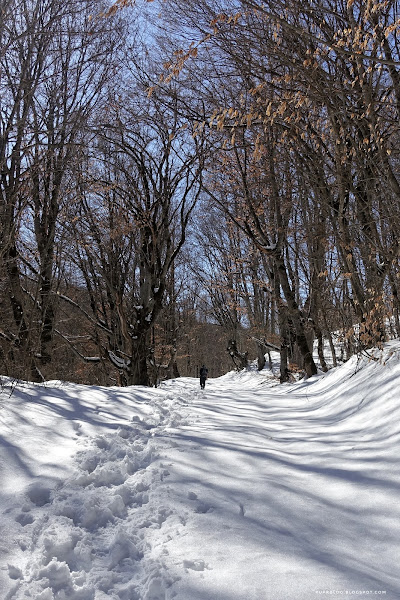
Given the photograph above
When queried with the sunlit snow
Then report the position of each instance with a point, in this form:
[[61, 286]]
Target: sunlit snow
[[248, 490]]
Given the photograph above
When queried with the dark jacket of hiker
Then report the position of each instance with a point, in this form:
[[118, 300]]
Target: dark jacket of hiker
[[203, 376]]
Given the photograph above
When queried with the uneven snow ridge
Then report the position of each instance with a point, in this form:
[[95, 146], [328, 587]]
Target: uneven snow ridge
[[96, 537]]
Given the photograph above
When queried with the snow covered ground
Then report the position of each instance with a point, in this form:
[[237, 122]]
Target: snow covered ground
[[249, 490]]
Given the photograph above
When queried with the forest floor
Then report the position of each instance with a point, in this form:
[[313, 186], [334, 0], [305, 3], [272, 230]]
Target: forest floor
[[248, 490]]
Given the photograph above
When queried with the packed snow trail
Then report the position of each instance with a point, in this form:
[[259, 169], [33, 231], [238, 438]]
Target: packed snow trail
[[245, 491], [291, 492]]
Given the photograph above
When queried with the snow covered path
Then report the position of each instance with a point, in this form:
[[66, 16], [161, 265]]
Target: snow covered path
[[246, 491], [288, 496]]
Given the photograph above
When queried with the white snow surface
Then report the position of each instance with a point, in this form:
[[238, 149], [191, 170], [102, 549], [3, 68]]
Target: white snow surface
[[248, 490]]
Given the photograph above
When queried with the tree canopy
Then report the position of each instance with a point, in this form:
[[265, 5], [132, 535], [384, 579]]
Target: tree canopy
[[182, 178]]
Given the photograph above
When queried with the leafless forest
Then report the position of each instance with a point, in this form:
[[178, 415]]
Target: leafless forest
[[197, 181]]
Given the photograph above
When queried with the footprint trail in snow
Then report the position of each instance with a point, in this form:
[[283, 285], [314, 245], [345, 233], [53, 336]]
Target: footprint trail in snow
[[95, 537]]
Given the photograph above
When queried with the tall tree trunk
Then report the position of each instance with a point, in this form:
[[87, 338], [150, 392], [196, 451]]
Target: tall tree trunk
[[23, 359], [137, 374], [261, 351], [321, 356], [296, 318], [284, 349]]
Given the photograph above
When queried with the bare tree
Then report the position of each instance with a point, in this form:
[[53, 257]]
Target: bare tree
[[322, 83], [134, 210], [53, 71]]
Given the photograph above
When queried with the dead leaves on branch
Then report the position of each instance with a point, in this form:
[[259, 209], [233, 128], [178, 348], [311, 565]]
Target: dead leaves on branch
[[118, 5], [280, 102]]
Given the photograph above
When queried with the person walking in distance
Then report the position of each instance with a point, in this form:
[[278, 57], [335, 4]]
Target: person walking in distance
[[203, 376]]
